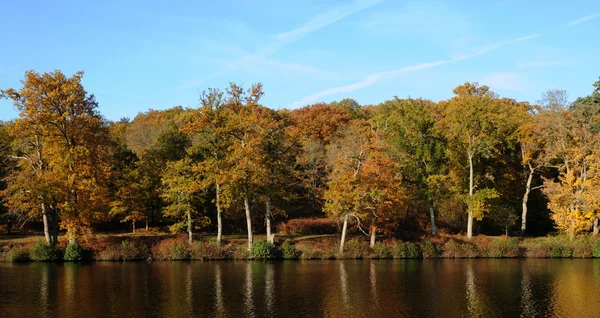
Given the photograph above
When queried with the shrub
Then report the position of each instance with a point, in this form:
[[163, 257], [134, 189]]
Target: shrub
[[382, 251], [131, 251], [309, 226], [399, 250], [413, 250], [206, 250], [262, 250], [596, 248], [503, 248], [355, 249], [179, 252], [289, 251], [170, 250], [73, 253], [561, 249], [42, 252], [582, 249], [110, 253], [16, 254], [453, 249], [429, 249], [240, 252]]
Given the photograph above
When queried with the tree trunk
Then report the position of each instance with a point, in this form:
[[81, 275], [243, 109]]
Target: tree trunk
[[343, 240], [46, 227], [219, 222], [9, 227], [189, 225], [268, 219], [54, 226], [470, 218], [248, 219], [525, 199], [147, 227], [133, 226], [373, 233], [595, 226], [432, 217]]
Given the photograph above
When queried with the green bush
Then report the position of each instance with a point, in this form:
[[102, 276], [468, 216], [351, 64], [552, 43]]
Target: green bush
[[382, 251], [399, 250], [42, 252], [179, 252], [73, 253], [429, 249], [289, 251], [413, 250], [596, 248], [262, 250], [508, 247], [16, 254], [561, 249]]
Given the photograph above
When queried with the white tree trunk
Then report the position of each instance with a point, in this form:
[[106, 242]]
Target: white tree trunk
[[343, 240], [595, 226], [219, 222], [373, 233], [248, 219], [470, 217], [133, 226], [46, 226], [525, 199], [270, 237], [189, 225]]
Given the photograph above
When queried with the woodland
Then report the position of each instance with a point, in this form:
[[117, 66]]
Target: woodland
[[476, 164]]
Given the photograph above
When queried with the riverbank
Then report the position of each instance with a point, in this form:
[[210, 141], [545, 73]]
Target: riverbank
[[164, 247]]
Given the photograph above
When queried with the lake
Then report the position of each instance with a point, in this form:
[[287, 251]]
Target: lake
[[378, 288]]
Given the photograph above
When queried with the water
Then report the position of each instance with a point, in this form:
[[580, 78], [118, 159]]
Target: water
[[402, 288]]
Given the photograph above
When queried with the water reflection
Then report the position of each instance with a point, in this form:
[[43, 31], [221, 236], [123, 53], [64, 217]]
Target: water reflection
[[249, 292], [448, 288]]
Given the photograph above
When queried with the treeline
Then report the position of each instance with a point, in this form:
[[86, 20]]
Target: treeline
[[471, 162]]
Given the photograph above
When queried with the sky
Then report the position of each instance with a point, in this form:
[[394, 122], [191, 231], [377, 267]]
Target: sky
[[138, 55]]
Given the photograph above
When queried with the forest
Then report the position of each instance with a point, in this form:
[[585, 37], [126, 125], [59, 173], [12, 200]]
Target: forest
[[474, 164]]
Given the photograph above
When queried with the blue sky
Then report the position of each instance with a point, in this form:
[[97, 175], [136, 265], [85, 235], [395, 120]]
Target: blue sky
[[141, 55]]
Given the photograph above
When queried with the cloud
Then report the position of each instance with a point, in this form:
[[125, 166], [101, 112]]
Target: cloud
[[502, 81], [584, 19], [369, 80], [373, 78], [279, 40], [546, 63]]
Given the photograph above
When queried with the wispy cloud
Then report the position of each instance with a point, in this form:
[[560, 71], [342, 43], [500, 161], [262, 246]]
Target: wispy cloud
[[279, 40], [503, 81], [584, 19], [546, 63], [373, 78]]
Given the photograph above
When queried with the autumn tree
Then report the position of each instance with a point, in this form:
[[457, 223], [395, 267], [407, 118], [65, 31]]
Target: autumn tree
[[207, 127], [475, 123], [244, 161], [574, 143], [418, 148], [56, 112]]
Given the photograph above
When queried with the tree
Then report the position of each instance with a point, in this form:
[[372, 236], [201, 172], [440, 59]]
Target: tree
[[474, 123], [207, 128], [244, 159], [181, 190], [573, 143], [67, 142], [418, 147]]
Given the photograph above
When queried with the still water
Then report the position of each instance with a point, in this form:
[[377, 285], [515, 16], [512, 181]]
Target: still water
[[402, 288]]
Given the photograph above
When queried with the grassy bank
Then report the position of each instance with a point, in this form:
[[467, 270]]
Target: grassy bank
[[171, 248]]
